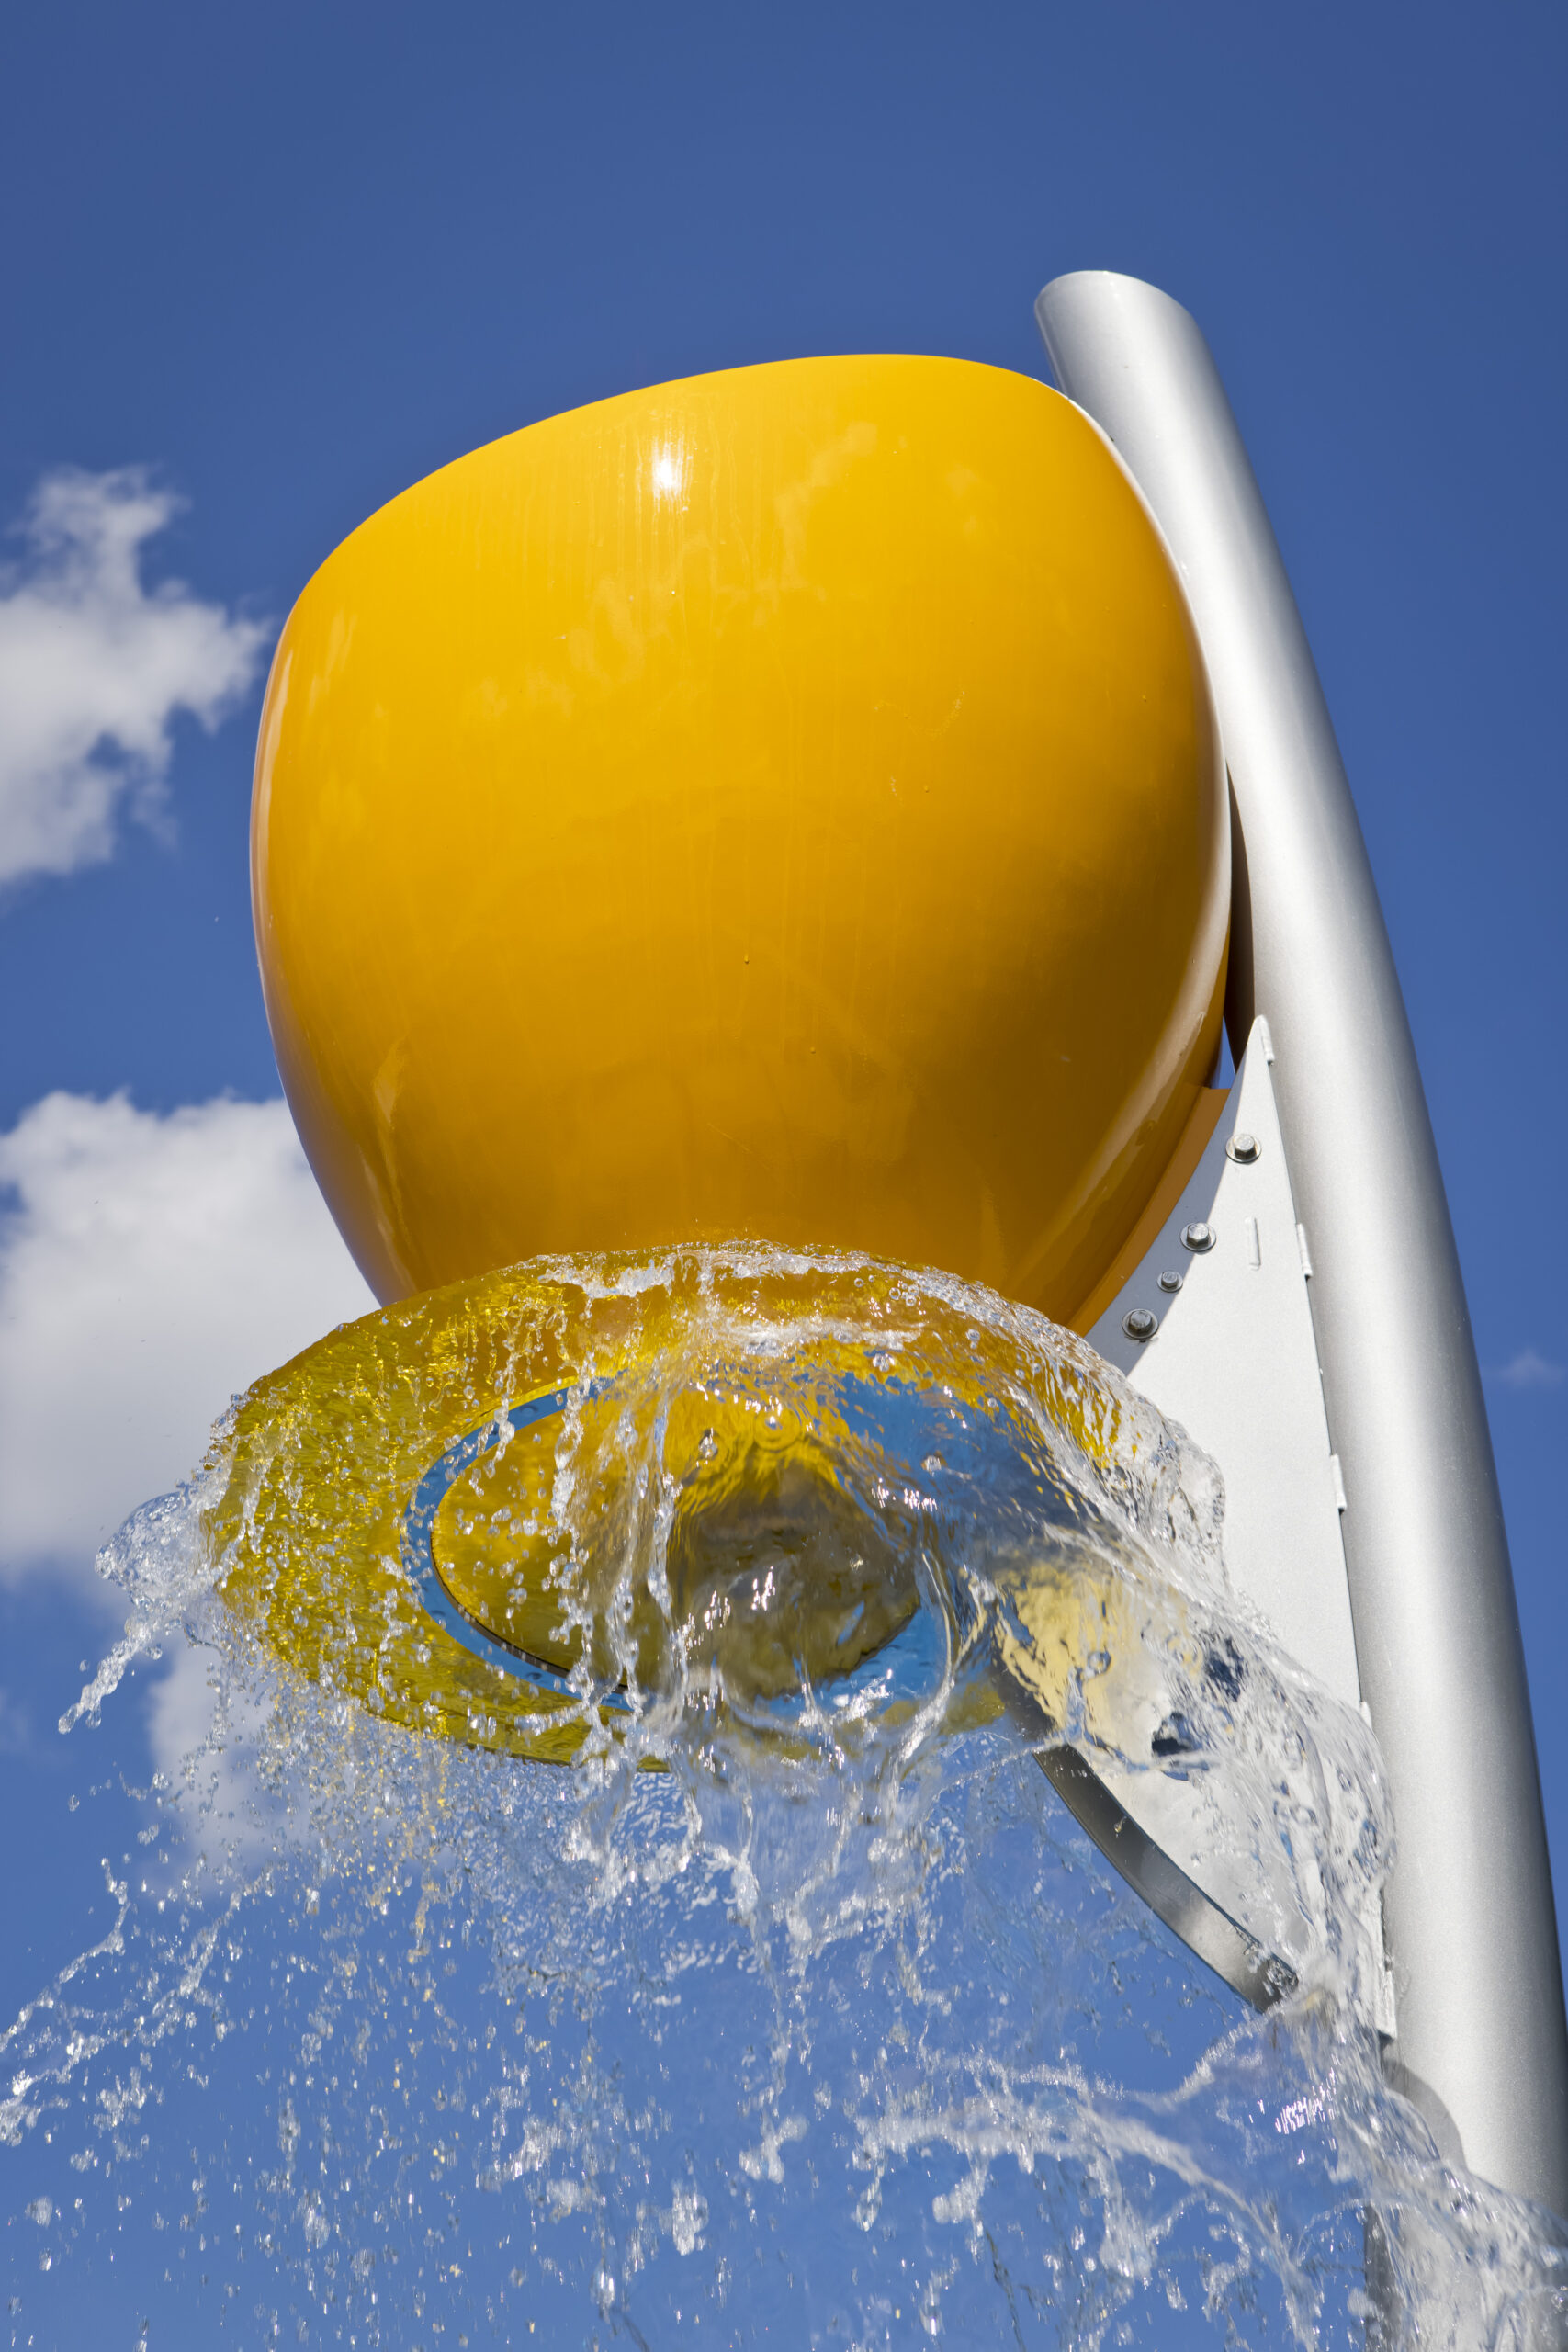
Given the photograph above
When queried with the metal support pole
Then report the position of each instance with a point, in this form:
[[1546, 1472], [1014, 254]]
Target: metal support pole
[[1471, 1926]]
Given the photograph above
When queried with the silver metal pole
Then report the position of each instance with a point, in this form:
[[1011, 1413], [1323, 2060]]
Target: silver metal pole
[[1471, 1925]]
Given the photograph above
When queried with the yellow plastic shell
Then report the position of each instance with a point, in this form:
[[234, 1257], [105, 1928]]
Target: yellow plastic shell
[[785, 803]]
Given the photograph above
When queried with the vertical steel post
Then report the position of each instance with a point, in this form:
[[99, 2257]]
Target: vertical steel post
[[1471, 1924]]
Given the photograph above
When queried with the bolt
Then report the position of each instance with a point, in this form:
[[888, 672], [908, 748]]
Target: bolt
[[1140, 1324], [1199, 1236], [1170, 1281], [1243, 1147]]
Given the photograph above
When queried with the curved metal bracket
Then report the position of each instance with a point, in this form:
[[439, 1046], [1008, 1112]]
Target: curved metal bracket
[[1472, 1928]]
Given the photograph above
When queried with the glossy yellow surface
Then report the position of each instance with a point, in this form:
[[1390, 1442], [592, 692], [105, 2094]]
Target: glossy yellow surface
[[784, 803]]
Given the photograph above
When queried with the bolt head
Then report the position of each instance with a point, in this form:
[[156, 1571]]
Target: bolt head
[[1140, 1324], [1197, 1237], [1170, 1280], [1243, 1147]]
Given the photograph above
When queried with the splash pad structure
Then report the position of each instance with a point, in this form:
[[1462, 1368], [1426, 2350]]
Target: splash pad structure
[[718, 856]]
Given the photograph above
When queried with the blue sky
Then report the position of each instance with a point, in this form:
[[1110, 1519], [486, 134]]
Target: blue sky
[[288, 260]]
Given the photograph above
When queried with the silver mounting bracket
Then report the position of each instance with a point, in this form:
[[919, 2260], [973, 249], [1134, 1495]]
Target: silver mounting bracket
[[1233, 1357], [1214, 1326]]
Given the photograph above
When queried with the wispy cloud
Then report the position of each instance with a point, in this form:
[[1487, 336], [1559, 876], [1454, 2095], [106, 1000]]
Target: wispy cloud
[[1529, 1370], [94, 666], [150, 1267]]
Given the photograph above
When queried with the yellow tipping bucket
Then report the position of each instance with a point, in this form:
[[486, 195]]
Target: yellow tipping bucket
[[784, 803]]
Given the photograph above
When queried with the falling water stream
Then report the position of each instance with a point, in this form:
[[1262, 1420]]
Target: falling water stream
[[789, 2005]]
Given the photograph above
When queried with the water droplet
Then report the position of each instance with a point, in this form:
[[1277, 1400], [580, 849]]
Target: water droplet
[[1174, 1736]]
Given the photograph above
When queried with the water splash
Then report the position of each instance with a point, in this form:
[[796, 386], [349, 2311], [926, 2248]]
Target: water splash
[[797, 2007]]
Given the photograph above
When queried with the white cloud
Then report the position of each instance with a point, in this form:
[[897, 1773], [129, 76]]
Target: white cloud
[[206, 1737], [94, 666], [150, 1267], [1529, 1370]]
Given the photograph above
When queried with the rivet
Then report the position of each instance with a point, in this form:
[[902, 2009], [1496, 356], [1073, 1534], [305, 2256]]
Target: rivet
[[1140, 1324], [1243, 1147], [1198, 1236], [1170, 1281]]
